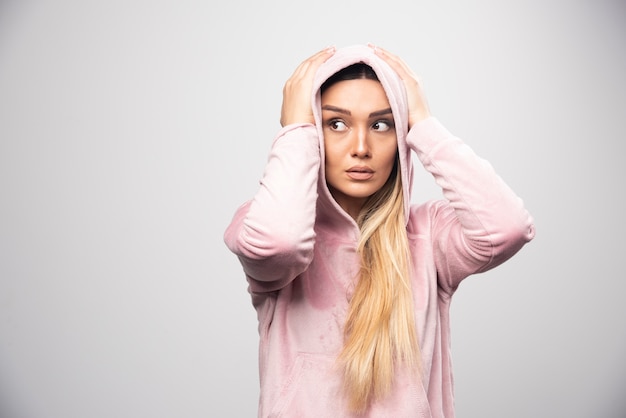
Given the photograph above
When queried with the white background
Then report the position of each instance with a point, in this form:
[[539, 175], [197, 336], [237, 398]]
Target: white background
[[131, 130]]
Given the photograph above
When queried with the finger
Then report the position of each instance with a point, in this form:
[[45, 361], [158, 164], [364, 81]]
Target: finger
[[318, 57], [313, 62], [394, 61]]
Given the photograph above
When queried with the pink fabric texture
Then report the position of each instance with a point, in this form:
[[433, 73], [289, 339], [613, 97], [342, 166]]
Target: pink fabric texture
[[298, 252]]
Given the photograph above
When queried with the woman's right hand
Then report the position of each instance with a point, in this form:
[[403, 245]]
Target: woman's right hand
[[297, 91]]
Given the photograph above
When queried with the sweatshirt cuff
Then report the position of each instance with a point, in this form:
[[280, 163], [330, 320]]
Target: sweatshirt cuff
[[295, 126]]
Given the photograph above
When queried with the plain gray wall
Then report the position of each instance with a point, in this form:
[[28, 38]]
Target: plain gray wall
[[131, 130]]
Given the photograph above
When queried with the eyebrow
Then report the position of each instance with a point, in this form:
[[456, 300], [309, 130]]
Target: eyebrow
[[347, 112]]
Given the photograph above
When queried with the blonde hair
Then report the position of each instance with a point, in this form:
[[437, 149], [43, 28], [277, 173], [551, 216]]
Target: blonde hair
[[380, 331]]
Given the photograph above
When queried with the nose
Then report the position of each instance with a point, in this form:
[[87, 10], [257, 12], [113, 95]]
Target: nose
[[361, 147]]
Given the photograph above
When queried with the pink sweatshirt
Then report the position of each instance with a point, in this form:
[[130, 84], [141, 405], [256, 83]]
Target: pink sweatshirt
[[298, 251]]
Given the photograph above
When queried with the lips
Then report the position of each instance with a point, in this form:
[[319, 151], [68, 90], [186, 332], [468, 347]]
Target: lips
[[360, 173]]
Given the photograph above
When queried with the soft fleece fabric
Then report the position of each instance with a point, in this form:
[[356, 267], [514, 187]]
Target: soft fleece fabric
[[298, 251]]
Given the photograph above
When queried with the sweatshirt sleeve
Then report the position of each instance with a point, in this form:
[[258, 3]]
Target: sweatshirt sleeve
[[481, 222], [273, 233]]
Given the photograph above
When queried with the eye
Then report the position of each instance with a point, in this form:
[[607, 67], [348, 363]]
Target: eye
[[382, 126], [337, 125]]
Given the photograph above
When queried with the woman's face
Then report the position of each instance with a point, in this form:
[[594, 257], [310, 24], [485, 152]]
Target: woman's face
[[360, 141]]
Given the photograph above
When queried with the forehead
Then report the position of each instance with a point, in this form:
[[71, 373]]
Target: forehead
[[356, 94]]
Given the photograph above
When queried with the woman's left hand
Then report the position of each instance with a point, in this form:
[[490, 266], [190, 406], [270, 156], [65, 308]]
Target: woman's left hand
[[418, 106]]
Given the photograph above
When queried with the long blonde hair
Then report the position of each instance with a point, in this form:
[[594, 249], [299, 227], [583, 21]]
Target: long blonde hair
[[380, 332]]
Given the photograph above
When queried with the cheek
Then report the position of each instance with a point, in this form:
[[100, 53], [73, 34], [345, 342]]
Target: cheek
[[329, 162], [331, 153], [389, 157]]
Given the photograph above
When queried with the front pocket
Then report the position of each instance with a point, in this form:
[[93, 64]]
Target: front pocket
[[312, 389]]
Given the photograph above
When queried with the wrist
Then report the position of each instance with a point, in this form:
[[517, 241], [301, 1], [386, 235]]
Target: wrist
[[417, 117]]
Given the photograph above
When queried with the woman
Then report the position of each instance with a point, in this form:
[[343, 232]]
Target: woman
[[351, 282]]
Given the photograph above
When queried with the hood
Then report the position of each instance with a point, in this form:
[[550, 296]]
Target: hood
[[328, 209]]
